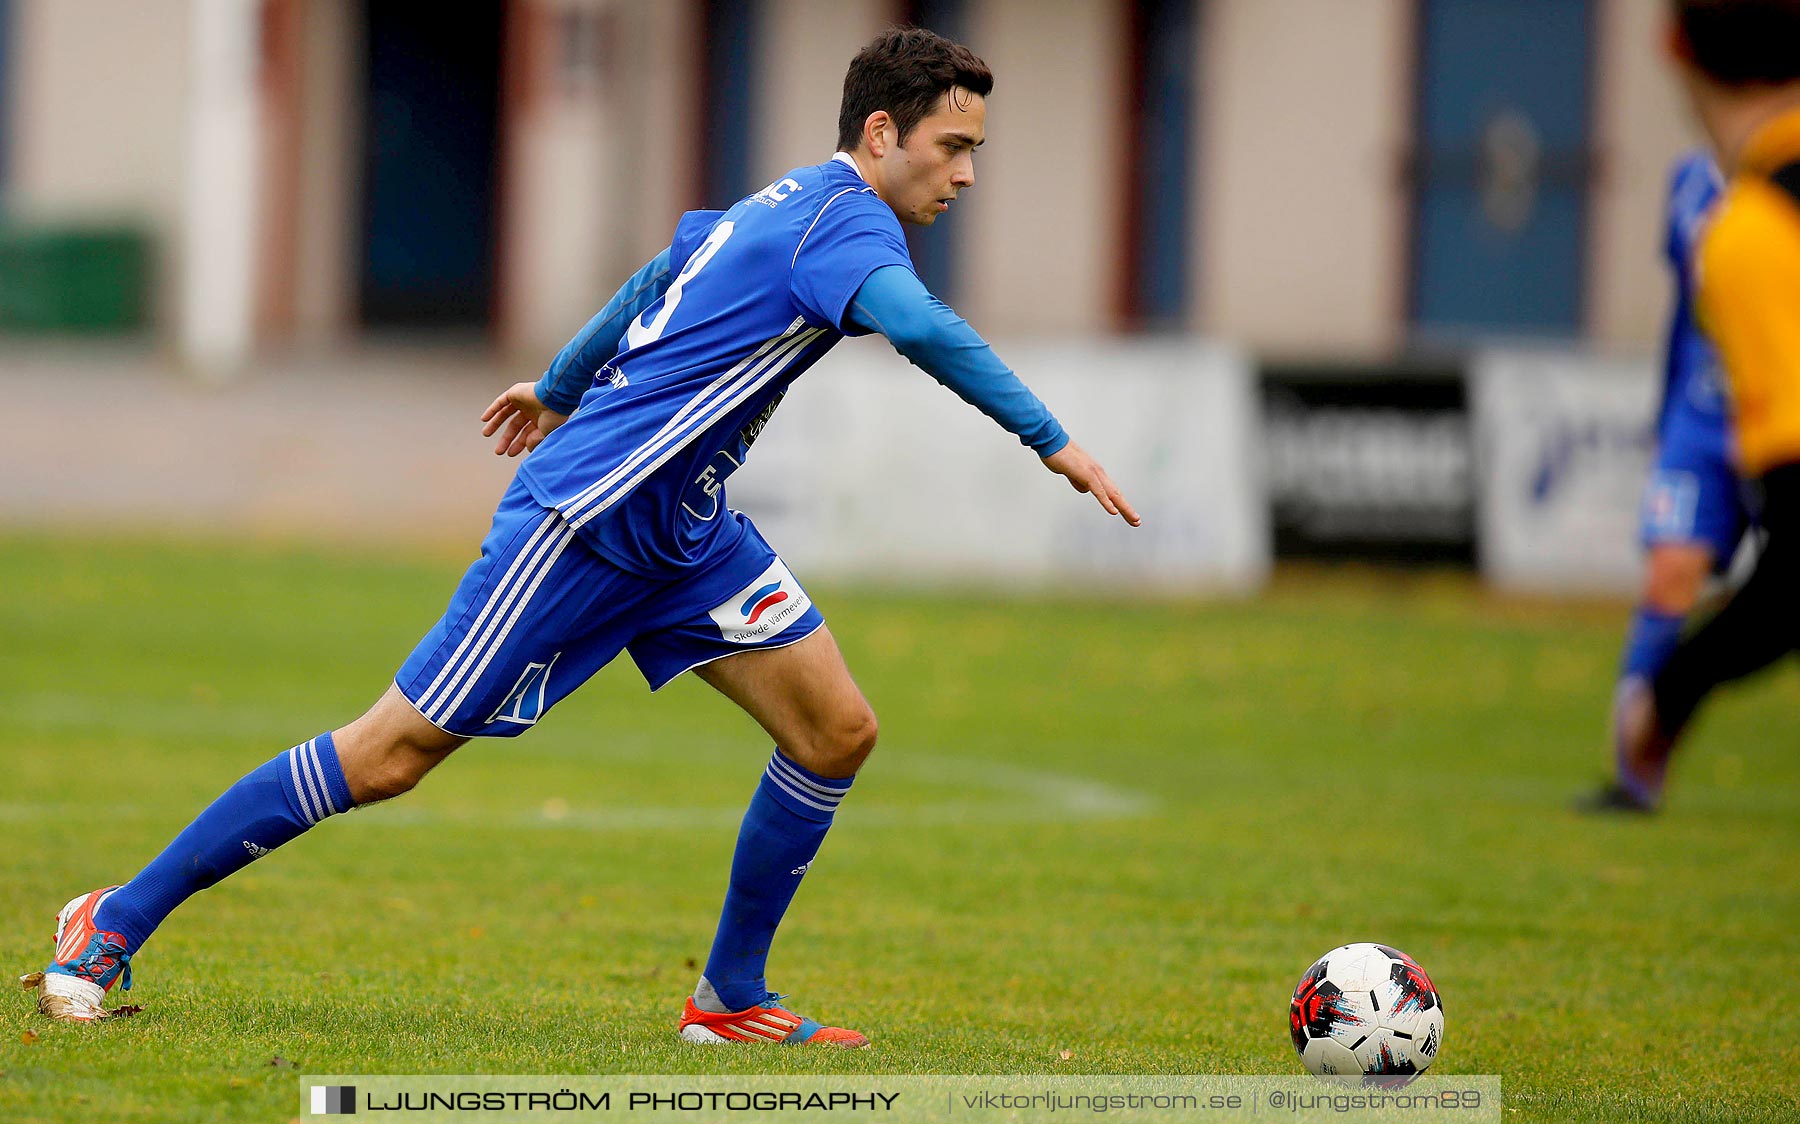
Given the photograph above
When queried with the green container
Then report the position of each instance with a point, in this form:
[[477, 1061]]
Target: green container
[[73, 280]]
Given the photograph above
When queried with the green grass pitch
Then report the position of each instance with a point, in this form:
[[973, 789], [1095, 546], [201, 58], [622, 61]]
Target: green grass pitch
[[1099, 836]]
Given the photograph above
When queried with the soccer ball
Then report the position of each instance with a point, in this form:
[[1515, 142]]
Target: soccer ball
[[1366, 1009]]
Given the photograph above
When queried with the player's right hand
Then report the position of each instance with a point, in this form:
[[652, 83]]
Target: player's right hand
[[1085, 475], [520, 420]]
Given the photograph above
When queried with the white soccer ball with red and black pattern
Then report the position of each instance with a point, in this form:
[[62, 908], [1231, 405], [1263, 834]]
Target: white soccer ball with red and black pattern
[[1366, 1009]]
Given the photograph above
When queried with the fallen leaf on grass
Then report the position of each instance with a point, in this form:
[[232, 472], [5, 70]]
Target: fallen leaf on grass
[[1065, 1055], [29, 1037]]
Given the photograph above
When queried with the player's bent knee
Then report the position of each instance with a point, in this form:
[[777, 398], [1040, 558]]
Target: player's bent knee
[[384, 783], [1675, 580], [840, 750], [1675, 598], [384, 772], [859, 739], [387, 751]]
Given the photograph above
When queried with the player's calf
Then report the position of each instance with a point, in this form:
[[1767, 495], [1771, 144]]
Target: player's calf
[[97, 933], [1641, 745]]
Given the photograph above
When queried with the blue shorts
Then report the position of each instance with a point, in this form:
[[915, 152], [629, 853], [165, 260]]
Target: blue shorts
[[1694, 496], [540, 612]]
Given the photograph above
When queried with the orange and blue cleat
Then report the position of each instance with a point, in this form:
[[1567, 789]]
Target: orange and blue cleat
[[88, 962], [767, 1022]]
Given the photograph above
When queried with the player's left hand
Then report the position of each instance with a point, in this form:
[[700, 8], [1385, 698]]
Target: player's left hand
[[520, 420], [1085, 475]]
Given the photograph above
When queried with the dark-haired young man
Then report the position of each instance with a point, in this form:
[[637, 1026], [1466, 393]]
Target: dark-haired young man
[[1739, 61], [615, 535]]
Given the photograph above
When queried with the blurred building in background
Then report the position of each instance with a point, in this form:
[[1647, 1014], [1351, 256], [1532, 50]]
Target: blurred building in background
[[1342, 193], [1342, 178]]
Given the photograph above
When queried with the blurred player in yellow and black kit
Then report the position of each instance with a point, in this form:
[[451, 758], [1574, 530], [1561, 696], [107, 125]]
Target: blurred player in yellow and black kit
[[1740, 60]]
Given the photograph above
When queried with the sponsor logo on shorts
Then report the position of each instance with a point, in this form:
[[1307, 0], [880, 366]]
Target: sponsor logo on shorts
[[762, 609], [762, 600], [1670, 504]]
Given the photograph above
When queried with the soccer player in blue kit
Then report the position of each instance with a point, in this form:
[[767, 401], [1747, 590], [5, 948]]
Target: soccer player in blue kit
[[1694, 508], [615, 535]]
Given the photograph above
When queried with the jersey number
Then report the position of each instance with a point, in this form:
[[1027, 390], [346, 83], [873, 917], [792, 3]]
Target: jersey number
[[639, 332]]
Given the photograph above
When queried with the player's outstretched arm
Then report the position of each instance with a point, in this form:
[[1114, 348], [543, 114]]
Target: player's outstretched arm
[[520, 420], [893, 302]]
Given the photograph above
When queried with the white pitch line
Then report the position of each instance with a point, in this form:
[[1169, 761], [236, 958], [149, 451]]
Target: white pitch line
[[988, 792], [1017, 794]]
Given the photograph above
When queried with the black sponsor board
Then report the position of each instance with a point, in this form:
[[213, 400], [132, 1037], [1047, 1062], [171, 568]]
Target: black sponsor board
[[1370, 462]]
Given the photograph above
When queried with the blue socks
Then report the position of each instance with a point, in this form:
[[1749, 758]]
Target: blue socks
[[1653, 637], [786, 822], [274, 803], [280, 799]]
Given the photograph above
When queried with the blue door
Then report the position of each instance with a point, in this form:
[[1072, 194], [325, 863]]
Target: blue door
[[430, 161], [5, 103], [728, 132], [1501, 172]]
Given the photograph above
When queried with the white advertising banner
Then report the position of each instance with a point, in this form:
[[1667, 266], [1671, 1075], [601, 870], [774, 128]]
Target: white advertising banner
[[870, 469], [1564, 444]]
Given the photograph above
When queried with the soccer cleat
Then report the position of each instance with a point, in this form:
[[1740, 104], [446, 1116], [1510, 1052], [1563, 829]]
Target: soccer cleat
[[87, 963], [767, 1022], [1614, 798]]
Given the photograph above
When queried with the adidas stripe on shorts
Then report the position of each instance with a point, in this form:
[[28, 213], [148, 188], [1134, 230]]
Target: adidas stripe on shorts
[[540, 612]]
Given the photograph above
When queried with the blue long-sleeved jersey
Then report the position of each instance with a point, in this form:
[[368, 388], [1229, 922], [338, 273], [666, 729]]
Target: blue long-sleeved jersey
[[672, 381]]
